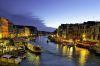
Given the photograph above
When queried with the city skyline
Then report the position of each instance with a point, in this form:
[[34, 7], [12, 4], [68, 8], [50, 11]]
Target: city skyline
[[51, 13], [49, 33]]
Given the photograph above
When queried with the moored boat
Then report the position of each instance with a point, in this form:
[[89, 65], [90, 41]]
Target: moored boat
[[33, 48], [97, 51], [10, 59], [70, 44]]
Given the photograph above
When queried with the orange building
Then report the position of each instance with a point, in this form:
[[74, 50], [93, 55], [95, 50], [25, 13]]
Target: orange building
[[4, 32]]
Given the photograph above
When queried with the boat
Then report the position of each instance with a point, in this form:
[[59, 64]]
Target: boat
[[22, 54], [10, 59], [97, 51], [47, 41], [33, 48], [70, 45]]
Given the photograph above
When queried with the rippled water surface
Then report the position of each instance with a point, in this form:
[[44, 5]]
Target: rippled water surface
[[58, 55]]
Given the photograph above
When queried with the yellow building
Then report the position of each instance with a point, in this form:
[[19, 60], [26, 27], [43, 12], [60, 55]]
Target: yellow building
[[4, 32], [27, 32]]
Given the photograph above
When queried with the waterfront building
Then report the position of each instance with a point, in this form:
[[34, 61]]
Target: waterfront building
[[95, 33], [31, 30], [6, 28], [19, 30], [87, 31], [25, 31], [11, 30], [4, 32]]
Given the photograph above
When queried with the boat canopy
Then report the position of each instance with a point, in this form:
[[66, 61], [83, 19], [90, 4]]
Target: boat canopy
[[6, 56]]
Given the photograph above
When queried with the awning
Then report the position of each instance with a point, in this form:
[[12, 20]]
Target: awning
[[90, 42]]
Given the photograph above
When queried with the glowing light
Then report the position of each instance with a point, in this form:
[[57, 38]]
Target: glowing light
[[27, 31], [0, 36], [84, 37]]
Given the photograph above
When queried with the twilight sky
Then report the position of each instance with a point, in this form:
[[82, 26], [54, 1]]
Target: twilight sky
[[52, 13]]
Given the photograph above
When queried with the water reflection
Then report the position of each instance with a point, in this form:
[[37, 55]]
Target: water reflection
[[83, 56], [33, 58], [58, 48], [68, 52], [64, 50], [72, 52], [59, 55]]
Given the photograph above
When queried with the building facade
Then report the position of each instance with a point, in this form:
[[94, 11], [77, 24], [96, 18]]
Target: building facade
[[87, 31], [25, 31], [4, 31], [9, 30]]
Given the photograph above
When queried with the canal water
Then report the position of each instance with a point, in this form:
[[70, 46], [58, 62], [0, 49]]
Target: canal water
[[58, 55]]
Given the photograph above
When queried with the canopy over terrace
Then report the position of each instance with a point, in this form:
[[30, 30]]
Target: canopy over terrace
[[75, 38], [90, 42]]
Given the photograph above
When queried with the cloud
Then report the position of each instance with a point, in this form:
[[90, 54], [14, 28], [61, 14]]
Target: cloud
[[20, 19]]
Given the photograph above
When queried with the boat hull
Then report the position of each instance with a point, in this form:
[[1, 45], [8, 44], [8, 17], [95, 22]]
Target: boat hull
[[38, 53]]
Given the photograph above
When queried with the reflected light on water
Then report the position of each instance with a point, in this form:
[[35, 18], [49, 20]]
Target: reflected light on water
[[37, 61], [34, 58], [83, 57], [64, 50], [70, 53], [67, 52], [57, 46]]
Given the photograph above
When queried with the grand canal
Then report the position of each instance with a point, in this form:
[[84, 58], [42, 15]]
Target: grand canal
[[58, 55]]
